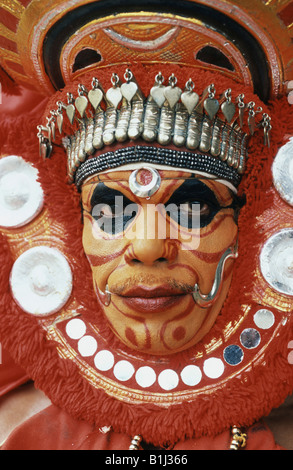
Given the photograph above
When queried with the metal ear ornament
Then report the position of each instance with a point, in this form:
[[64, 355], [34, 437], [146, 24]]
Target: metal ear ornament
[[206, 300]]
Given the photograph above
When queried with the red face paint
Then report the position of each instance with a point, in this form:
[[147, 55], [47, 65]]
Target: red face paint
[[151, 279]]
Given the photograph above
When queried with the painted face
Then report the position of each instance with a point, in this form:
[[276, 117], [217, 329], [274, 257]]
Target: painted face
[[150, 252]]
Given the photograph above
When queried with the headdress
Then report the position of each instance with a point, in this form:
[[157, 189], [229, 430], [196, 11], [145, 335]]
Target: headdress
[[206, 133]]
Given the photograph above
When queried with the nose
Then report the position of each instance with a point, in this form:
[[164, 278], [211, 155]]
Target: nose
[[150, 244]]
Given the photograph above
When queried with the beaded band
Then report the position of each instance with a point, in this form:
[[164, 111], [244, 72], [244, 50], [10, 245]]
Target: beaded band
[[162, 156]]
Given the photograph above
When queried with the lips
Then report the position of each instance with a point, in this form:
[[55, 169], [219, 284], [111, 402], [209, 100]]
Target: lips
[[152, 299]]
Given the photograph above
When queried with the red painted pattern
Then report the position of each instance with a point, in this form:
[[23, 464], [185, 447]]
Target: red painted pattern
[[180, 316]]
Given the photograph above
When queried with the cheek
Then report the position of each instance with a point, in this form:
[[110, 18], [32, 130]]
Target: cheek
[[87, 234], [103, 254], [214, 241], [220, 234]]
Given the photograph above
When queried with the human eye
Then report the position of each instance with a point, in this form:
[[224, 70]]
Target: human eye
[[114, 216], [193, 204], [192, 214]]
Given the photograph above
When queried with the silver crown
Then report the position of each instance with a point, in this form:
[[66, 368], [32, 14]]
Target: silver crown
[[169, 115]]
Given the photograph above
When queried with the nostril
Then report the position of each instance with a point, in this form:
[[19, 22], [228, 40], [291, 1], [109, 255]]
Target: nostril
[[138, 261]]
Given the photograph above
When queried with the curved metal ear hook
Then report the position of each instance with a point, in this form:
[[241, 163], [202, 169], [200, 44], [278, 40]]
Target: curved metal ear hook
[[206, 300], [203, 300]]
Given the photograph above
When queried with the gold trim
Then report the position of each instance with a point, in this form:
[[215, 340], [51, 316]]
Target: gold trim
[[7, 33], [9, 55], [19, 77], [268, 297], [13, 7], [37, 231]]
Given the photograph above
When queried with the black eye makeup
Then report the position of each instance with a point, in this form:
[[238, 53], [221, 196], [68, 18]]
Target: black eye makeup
[[111, 209], [193, 204]]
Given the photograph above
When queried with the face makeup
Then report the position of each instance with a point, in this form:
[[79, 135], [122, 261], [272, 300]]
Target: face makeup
[[147, 255]]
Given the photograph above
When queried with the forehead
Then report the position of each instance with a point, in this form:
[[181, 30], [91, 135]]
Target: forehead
[[170, 180]]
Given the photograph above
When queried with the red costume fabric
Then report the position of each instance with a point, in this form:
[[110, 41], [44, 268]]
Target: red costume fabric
[[53, 429], [11, 375]]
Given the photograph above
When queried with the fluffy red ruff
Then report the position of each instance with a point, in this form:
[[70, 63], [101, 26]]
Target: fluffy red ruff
[[237, 403]]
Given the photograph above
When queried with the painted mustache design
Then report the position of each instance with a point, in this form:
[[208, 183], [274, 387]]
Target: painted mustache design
[[173, 290]]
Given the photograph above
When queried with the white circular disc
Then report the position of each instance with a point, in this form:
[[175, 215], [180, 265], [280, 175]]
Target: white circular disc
[[276, 261], [145, 376], [21, 195], [123, 370], [41, 281], [75, 328], [191, 375], [264, 319], [213, 367], [168, 379], [282, 170], [87, 346], [104, 360]]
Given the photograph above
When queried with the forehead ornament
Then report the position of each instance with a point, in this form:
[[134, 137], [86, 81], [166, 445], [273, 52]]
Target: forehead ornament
[[151, 181]]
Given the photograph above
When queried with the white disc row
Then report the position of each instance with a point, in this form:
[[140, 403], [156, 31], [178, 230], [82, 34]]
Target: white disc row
[[145, 376]]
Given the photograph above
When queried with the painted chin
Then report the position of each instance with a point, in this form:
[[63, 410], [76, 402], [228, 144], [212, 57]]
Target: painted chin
[[157, 326], [157, 321]]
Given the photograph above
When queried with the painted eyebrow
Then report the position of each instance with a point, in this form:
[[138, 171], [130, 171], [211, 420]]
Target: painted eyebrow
[[193, 189], [104, 194]]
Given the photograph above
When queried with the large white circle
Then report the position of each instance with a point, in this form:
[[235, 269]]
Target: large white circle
[[145, 376], [87, 346], [213, 367], [75, 328], [168, 379], [264, 319], [191, 375], [282, 170], [41, 281], [123, 370], [21, 195], [276, 261], [104, 360]]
